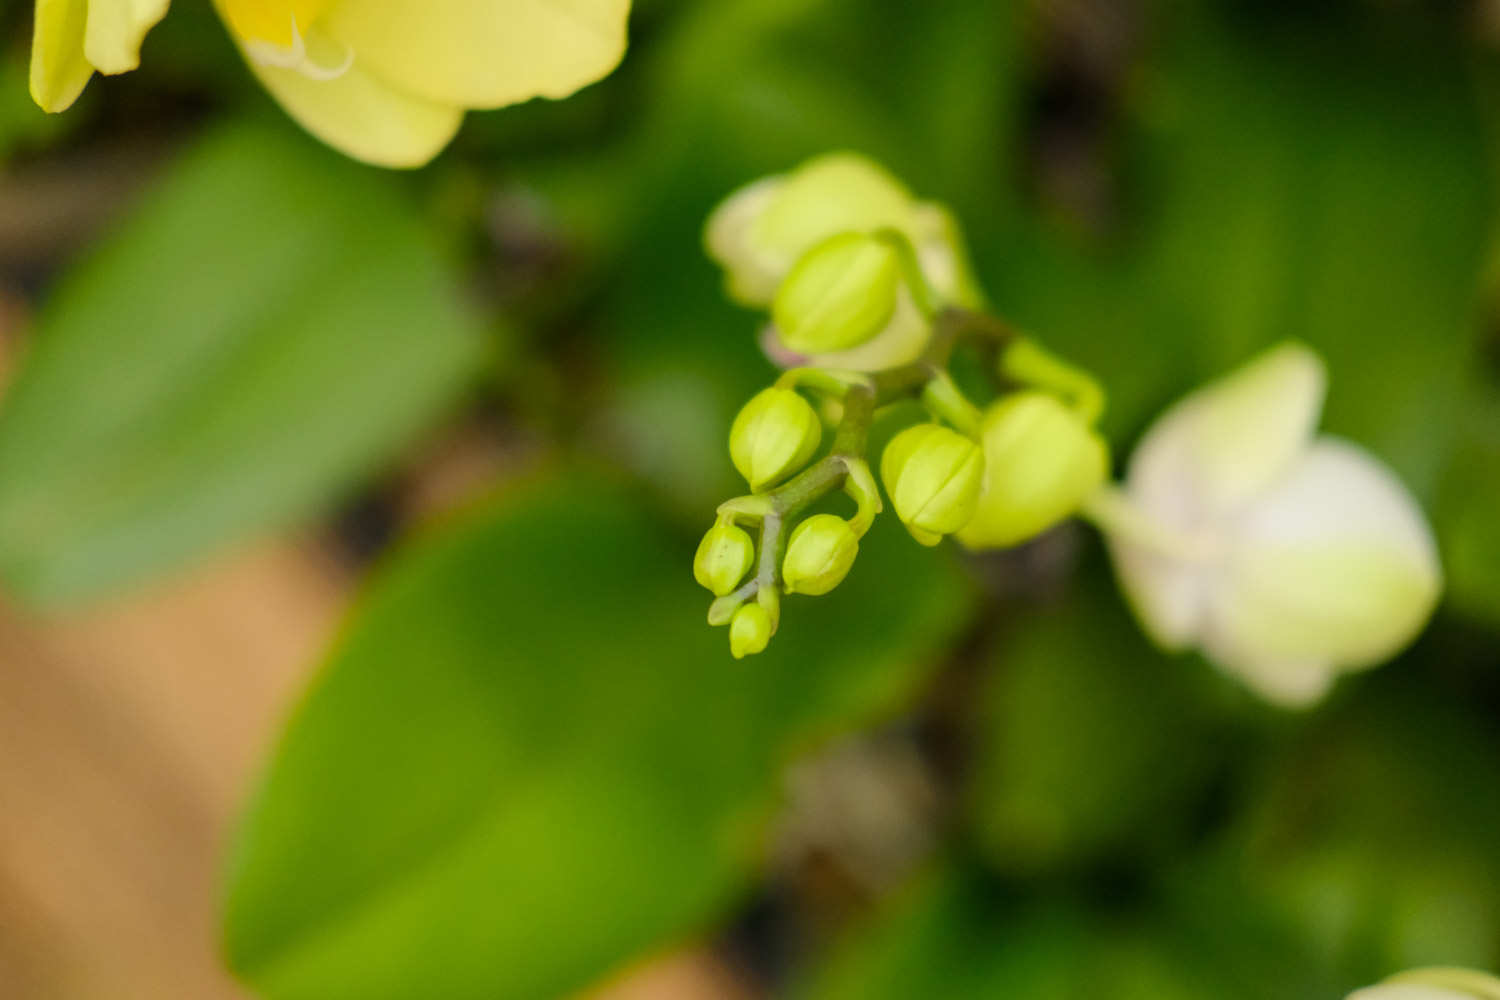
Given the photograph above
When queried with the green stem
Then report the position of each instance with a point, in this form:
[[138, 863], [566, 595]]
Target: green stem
[[967, 324], [923, 294], [1114, 514], [947, 402], [829, 381], [1026, 362]]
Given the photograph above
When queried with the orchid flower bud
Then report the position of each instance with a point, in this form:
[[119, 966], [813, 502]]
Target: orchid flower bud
[[840, 294], [760, 231], [724, 557], [773, 436], [1434, 984], [1285, 558], [819, 555], [1041, 461], [749, 631], [933, 475]]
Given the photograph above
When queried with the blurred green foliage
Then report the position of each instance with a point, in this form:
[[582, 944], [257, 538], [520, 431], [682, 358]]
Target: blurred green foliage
[[1144, 737], [529, 760], [506, 783], [269, 327]]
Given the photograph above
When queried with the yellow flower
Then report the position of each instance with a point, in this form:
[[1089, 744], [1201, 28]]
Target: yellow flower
[[386, 81]]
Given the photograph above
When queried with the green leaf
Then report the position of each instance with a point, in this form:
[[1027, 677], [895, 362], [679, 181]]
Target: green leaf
[[270, 326], [529, 758]]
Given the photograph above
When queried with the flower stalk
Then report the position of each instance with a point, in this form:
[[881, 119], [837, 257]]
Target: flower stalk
[[846, 467]]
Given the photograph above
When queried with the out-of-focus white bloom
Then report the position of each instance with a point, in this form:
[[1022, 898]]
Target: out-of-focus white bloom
[[1434, 984], [1284, 557]]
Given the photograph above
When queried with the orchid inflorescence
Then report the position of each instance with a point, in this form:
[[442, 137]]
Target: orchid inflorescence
[[871, 294], [1284, 557]]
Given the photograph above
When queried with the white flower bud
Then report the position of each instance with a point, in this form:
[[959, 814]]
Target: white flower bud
[[1434, 984], [760, 231], [1286, 559]]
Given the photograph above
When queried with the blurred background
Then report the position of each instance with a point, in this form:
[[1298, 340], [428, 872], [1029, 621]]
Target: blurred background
[[244, 375]]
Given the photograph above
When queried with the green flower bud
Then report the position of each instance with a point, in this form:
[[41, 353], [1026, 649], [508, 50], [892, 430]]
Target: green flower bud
[[839, 295], [749, 631], [773, 436], [1041, 462], [933, 476], [724, 557], [819, 555]]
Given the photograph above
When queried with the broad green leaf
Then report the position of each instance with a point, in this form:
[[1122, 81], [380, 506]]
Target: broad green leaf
[[270, 326], [529, 758]]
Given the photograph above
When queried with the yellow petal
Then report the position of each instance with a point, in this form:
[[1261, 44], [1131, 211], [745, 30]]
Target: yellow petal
[[483, 53], [360, 114], [59, 70], [116, 29], [272, 21]]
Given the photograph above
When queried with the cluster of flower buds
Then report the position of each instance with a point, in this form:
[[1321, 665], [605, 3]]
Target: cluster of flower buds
[[858, 277], [774, 438], [1434, 984], [1283, 557]]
